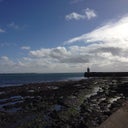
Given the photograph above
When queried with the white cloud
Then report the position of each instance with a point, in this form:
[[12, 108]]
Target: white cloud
[[107, 46], [74, 16], [2, 30], [4, 58], [69, 59], [106, 51], [89, 14], [115, 32], [25, 47], [56, 54], [6, 64], [59, 59]]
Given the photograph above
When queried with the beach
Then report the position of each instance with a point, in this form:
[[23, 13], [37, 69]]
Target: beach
[[84, 103]]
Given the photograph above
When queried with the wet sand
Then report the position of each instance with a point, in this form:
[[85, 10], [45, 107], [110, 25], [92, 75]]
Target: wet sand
[[74, 104]]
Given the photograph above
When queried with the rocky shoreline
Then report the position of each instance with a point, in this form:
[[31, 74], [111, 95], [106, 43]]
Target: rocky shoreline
[[67, 104]]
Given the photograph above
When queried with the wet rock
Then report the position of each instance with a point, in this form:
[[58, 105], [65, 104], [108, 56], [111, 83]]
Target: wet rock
[[73, 104]]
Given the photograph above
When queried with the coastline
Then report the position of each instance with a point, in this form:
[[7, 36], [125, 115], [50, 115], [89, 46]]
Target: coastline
[[83, 103]]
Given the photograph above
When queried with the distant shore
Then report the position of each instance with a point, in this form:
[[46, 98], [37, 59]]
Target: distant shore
[[80, 103]]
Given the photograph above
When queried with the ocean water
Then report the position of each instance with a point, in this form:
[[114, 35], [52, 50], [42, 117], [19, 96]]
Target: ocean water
[[25, 78]]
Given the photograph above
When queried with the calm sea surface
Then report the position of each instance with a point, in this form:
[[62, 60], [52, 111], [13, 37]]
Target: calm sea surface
[[19, 79]]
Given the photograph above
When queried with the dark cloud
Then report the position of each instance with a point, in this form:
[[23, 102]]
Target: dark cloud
[[115, 51]]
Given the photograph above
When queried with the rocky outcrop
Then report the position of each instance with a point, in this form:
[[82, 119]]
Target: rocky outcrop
[[73, 104]]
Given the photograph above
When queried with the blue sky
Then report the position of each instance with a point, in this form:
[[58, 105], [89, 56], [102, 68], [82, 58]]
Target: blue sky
[[63, 35]]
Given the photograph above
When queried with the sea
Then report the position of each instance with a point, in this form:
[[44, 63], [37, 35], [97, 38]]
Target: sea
[[26, 78]]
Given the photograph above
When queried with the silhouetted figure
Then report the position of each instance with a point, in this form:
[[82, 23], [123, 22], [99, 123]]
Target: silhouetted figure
[[88, 70]]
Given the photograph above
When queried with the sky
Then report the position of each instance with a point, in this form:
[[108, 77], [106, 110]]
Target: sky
[[53, 36]]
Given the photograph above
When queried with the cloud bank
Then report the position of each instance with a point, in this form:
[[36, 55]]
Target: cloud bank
[[105, 49]]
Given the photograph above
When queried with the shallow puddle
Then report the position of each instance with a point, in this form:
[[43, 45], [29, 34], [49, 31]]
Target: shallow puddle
[[9, 104]]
